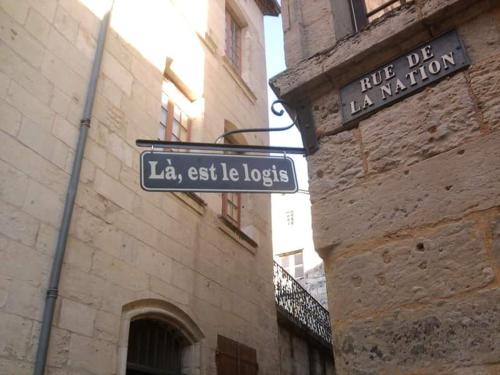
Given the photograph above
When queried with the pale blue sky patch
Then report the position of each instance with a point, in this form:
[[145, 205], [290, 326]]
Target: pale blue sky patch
[[275, 63]]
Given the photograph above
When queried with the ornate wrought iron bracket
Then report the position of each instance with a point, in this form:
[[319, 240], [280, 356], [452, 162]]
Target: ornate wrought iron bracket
[[148, 143], [233, 147], [276, 112]]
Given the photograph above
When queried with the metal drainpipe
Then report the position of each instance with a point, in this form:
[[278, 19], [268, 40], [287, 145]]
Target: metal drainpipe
[[53, 288]]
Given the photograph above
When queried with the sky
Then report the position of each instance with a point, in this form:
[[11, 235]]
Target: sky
[[283, 239], [275, 63]]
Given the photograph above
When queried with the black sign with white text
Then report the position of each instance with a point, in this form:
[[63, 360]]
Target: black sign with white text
[[178, 171], [404, 76]]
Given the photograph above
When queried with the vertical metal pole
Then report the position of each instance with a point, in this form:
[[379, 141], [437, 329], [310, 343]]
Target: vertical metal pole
[[53, 288]]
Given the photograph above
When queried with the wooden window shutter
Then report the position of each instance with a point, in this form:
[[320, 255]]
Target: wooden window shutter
[[248, 360], [227, 356], [234, 358]]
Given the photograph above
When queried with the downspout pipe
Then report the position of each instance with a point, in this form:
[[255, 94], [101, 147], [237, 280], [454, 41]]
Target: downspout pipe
[[57, 263]]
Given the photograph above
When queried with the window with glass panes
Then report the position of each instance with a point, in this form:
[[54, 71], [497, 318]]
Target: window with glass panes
[[231, 208], [233, 41], [231, 202], [180, 125], [293, 263], [175, 124]]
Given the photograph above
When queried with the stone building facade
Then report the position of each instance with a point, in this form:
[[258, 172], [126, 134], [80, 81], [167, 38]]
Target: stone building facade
[[406, 199], [135, 261]]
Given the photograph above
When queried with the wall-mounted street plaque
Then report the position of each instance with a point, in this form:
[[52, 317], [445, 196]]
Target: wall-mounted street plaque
[[404, 76], [182, 171]]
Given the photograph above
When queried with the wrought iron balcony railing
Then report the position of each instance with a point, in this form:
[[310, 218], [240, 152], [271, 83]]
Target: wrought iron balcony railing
[[300, 307]]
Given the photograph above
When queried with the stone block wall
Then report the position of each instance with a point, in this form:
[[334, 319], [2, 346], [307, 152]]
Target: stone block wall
[[406, 204], [300, 356], [308, 28], [125, 244]]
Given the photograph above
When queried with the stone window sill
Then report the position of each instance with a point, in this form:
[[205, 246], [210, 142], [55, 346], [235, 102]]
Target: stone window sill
[[235, 75], [237, 235]]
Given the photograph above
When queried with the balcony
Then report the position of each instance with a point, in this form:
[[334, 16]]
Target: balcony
[[300, 309]]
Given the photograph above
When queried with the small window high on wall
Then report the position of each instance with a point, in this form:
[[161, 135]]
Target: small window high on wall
[[154, 347], [293, 263], [233, 40]]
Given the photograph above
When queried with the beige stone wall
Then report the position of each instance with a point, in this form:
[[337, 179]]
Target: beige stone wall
[[298, 356], [406, 205], [125, 244], [308, 28]]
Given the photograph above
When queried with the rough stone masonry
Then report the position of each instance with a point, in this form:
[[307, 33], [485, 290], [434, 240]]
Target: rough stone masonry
[[406, 201]]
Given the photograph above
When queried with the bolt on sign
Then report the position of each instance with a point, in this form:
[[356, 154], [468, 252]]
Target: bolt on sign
[[402, 77], [177, 171]]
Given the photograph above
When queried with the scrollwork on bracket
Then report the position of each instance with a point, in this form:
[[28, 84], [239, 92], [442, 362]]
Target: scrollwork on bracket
[[276, 112]]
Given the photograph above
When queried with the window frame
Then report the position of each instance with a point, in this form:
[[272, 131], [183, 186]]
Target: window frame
[[169, 107], [227, 199], [361, 16], [291, 265], [233, 40]]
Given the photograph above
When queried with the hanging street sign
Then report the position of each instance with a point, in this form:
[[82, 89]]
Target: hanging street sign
[[200, 172], [404, 76]]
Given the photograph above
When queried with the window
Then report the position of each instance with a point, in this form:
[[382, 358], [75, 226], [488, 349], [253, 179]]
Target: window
[[234, 358], [365, 11], [231, 208], [233, 40], [377, 8], [293, 263], [289, 217], [175, 124], [154, 347], [231, 202]]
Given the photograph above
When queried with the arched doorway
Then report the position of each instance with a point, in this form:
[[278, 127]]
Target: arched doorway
[[157, 337], [154, 347]]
